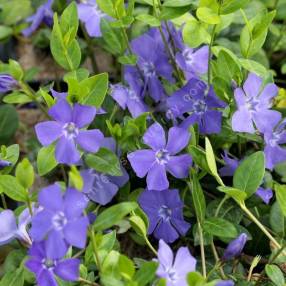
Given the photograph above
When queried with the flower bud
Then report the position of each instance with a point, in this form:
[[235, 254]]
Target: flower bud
[[235, 247]]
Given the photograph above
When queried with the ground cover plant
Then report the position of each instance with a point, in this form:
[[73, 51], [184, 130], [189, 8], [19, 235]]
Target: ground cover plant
[[153, 151]]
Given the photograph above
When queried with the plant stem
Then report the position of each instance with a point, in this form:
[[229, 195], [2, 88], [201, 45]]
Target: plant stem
[[93, 241], [217, 261], [4, 203], [201, 238], [29, 203], [150, 246], [226, 197], [259, 224], [82, 280]]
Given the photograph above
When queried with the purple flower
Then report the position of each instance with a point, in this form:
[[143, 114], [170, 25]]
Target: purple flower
[[61, 220], [265, 194], [235, 247], [153, 63], [253, 103], [45, 267], [4, 164], [165, 213], [225, 283], [66, 130], [9, 229], [175, 270], [130, 97], [230, 166], [90, 14], [273, 138], [43, 14], [7, 83], [193, 62], [161, 158], [192, 98]]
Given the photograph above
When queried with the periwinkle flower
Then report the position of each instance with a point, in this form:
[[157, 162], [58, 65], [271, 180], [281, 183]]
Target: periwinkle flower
[[61, 220], [45, 267], [274, 138], [265, 194], [4, 164], [162, 157], [67, 130], [201, 103], [43, 14], [9, 229], [90, 14], [225, 283], [153, 63], [253, 106], [235, 247], [165, 213], [193, 62], [7, 83], [130, 97], [175, 270]]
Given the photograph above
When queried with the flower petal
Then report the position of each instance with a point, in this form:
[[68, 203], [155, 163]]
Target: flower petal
[[178, 139], [141, 161], [61, 111], [41, 225], [252, 85], [66, 152], [75, 232], [90, 140], [184, 262], [46, 278], [179, 166], [155, 137], [56, 247], [265, 120], [48, 132], [8, 226], [242, 121], [51, 198], [157, 178], [74, 203], [68, 269], [83, 115], [166, 232]]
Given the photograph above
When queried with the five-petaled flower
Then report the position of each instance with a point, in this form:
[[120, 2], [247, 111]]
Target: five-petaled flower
[[201, 103], [165, 213], [61, 220], [67, 131], [175, 270], [162, 157], [46, 267], [253, 106]]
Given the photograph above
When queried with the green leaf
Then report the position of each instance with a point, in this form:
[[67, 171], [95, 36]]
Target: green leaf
[[198, 199], [97, 87], [195, 34], [177, 3], [17, 97], [10, 154], [280, 191], [195, 279], [207, 15], [249, 174], [104, 161], [138, 225], [211, 161], [25, 173], [5, 32], [168, 13], [8, 122], [275, 274], [46, 160], [126, 267], [107, 6], [219, 227], [238, 195], [230, 6], [146, 273], [277, 219], [16, 70], [199, 157], [15, 278], [113, 215], [69, 21], [128, 60], [12, 188], [149, 20]]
